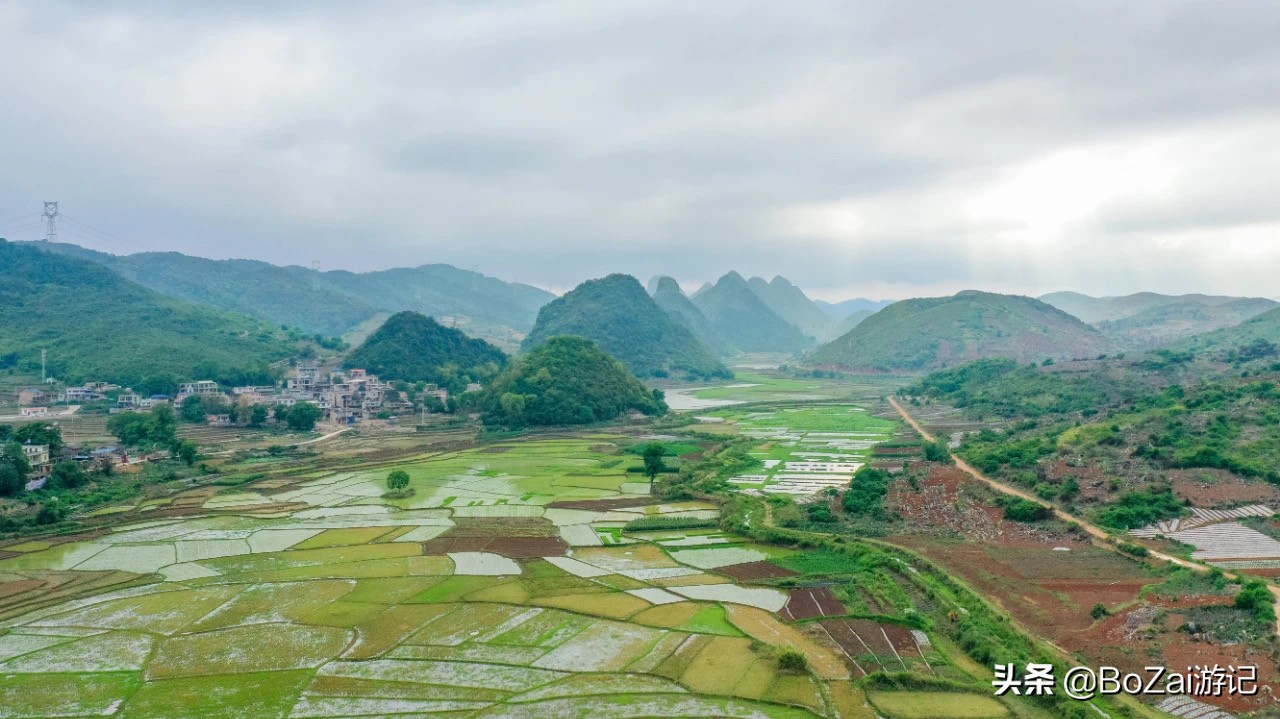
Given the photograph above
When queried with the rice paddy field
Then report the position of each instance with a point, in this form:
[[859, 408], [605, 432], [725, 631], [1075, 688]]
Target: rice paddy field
[[505, 585], [808, 448]]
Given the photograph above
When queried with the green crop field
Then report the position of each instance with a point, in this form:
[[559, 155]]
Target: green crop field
[[474, 597]]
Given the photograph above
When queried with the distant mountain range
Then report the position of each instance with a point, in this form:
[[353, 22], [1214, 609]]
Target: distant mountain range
[[1146, 319], [97, 325], [930, 333], [616, 313], [841, 310], [334, 302]]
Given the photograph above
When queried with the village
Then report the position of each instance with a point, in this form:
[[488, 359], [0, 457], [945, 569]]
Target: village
[[343, 398]]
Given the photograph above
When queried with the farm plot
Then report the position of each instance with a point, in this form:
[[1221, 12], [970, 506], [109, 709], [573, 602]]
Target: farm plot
[[463, 600], [808, 450]]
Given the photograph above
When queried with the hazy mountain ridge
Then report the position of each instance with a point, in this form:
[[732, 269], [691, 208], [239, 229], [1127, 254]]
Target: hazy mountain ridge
[[844, 308], [793, 305], [330, 303], [744, 320], [667, 294], [1146, 319]]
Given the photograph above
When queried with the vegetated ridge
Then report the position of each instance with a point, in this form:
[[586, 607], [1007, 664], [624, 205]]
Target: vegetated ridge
[[415, 348], [935, 332], [744, 320], [97, 325], [617, 313], [330, 303], [565, 380]]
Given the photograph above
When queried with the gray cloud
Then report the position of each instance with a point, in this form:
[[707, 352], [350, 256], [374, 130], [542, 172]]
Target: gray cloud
[[881, 147]]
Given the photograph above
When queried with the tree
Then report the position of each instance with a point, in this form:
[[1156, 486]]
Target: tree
[[1099, 611], [192, 409], [157, 428], [187, 451], [39, 433], [398, 480], [653, 464], [937, 452], [11, 480], [257, 415], [67, 475], [302, 417], [16, 458], [791, 660]]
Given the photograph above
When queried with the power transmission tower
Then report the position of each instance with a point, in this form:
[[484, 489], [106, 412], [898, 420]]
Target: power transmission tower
[[51, 225]]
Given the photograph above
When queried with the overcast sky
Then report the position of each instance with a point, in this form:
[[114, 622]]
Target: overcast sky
[[861, 149]]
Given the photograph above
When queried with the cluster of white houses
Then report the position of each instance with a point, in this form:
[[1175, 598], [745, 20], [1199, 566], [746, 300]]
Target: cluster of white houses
[[345, 397]]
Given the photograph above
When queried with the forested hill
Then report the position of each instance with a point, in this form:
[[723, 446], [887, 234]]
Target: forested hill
[[617, 313], [330, 303], [415, 348], [930, 333], [744, 320], [566, 380], [97, 325], [668, 295]]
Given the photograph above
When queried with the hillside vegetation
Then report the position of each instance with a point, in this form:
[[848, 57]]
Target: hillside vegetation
[[415, 348], [932, 333], [565, 381], [745, 321], [333, 302], [1122, 439], [1262, 329], [617, 313], [1146, 319], [97, 325]]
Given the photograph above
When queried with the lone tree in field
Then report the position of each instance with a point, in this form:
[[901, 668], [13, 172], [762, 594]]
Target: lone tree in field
[[653, 464], [791, 660], [398, 480]]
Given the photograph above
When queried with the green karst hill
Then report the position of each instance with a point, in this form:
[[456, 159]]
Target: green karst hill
[[97, 325], [415, 348], [936, 332], [618, 314], [563, 381]]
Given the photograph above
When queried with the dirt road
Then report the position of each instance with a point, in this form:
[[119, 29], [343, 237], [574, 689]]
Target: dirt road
[[1093, 530]]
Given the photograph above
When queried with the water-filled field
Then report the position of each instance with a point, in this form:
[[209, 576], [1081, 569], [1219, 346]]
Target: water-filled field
[[505, 586]]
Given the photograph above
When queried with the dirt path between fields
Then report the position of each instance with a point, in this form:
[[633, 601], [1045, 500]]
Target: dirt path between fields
[[1093, 530]]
